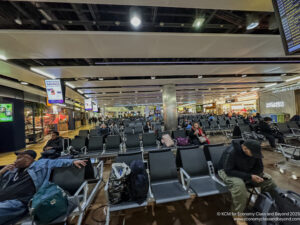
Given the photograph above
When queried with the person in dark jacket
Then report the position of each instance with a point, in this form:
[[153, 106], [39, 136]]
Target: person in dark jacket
[[269, 133], [104, 130], [55, 142], [147, 127], [240, 165], [197, 132]]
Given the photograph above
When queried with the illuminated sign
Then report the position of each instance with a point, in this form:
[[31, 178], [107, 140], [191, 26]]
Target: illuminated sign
[[274, 104], [54, 91], [88, 104]]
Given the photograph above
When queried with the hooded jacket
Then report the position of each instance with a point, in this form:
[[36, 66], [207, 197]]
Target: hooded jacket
[[237, 164]]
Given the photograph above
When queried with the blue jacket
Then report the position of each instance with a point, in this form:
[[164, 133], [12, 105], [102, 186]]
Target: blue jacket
[[40, 170]]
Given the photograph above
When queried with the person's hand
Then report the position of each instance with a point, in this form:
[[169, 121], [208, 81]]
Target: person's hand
[[6, 168], [80, 163], [256, 179]]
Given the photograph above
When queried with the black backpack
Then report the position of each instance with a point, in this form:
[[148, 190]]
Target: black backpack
[[265, 205], [139, 182]]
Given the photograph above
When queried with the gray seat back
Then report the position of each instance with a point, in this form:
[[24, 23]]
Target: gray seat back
[[132, 140], [95, 143], [194, 162], [162, 166], [245, 128], [78, 143], [179, 133], [113, 141], [83, 133], [149, 139], [129, 157], [138, 130], [68, 178], [214, 153], [283, 128], [128, 130], [293, 124], [94, 132]]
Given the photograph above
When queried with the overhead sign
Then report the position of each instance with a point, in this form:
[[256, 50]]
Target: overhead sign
[[88, 104], [54, 91], [275, 104], [95, 107]]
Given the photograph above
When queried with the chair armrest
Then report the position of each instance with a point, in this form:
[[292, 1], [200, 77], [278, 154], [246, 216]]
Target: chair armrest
[[149, 187], [106, 191], [84, 150], [185, 176], [85, 183], [99, 169], [294, 130]]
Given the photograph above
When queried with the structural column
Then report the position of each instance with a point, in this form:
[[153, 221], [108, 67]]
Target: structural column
[[170, 107]]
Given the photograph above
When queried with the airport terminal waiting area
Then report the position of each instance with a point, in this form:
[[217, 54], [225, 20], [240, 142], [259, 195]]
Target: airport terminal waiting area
[[131, 176]]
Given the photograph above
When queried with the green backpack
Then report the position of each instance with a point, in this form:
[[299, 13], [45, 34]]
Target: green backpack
[[49, 203]]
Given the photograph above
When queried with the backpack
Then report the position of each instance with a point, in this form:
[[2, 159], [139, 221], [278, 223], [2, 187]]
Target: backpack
[[167, 140], [265, 204], [118, 184], [49, 203], [139, 182], [182, 141]]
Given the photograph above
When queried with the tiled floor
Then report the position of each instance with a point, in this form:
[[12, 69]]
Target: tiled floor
[[198, 211]]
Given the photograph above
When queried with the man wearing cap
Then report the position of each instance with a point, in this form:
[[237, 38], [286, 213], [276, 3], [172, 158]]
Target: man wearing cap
[[21, 180], [242, 165]]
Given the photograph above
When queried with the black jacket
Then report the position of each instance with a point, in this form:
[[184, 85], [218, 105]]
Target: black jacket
[[265, 128], [237, 164], [56, 144]]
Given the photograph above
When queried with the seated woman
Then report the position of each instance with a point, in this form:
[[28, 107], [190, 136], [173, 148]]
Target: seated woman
[[197, 136], [148, 127]]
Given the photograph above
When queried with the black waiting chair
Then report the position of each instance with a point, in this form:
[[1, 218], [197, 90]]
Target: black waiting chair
[[182, 148], [179, 133], [112, 145], [294, 128], [196, 174], [95, 145], [164, 181], [150, 142], [83, 133], [79, 144], [128, 130], [138, 130], [133, 142], [213, 154], [125, 205], [94, 132], [285, 130]]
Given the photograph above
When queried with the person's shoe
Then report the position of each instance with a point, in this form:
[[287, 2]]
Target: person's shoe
[[239, 220]]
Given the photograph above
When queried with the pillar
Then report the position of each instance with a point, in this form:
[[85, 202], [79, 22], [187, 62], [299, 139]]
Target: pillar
[[170, 107]]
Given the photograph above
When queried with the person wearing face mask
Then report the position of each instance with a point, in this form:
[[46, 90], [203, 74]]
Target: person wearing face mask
[[22, 179]]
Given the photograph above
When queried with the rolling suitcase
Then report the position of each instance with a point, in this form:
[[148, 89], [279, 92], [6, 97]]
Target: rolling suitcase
[[288, 203]]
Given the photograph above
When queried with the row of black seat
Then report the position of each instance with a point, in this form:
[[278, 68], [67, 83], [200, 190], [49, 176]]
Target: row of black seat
[[197, 175]]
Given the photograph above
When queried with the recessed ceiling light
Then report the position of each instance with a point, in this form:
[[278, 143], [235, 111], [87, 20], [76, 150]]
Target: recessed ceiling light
[[198, 22], [252, 25], [135, 21], [200, 76], [18, 21], [24, 83], [100, 78], [161, 24], [117, 23], [284, 74], [136, 92], [182, 25], [152, 78], [244, 75]]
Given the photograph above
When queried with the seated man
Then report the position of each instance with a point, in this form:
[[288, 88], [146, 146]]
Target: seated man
[[22, 179], [242, 165], [104, 130], [55, 142], [270, 133]]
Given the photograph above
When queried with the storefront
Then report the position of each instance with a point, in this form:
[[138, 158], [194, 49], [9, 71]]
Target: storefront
[[210, 108]]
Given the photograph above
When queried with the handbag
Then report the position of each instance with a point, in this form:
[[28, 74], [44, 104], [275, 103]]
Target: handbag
[[202, 139]]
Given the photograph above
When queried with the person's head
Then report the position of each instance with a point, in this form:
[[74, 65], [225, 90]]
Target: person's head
[[196, 125], [54, 135], [268, 120], [148, 123], [24, 159], [252, 148], [103, 125]]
